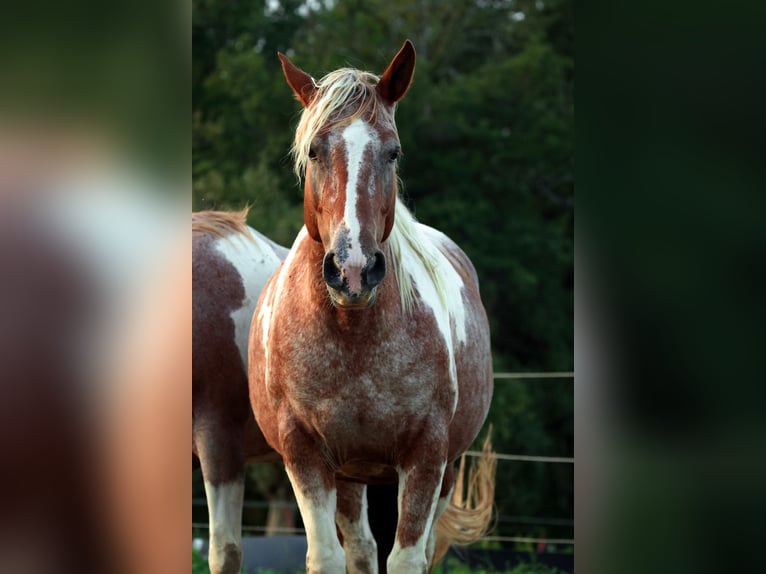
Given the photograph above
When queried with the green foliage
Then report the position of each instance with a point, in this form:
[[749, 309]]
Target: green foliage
[[199, 564], [533, 568], [487, 131], [455, 567]]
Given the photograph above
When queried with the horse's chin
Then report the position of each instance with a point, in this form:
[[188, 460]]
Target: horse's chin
[[342, 300]]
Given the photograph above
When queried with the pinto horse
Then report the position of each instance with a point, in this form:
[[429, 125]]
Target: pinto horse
[[369, 359], [231, 262]]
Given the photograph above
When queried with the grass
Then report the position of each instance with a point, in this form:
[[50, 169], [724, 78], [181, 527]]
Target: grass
[[457, 567], [199, 566]]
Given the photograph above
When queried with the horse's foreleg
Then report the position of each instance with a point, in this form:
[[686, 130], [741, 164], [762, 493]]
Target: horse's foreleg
[[351, 518], [224, 502], [314, 487], [222, 462], [419, 493]]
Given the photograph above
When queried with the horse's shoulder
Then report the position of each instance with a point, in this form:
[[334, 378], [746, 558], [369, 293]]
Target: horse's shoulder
[[290, 260], [300, 250]]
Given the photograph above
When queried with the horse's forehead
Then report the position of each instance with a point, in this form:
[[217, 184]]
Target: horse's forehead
[[361, 132]]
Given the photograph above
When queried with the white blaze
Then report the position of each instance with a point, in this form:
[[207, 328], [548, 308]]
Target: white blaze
[[357, 136]]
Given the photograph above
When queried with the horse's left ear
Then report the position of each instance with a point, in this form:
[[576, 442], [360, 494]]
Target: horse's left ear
[[397, 78]]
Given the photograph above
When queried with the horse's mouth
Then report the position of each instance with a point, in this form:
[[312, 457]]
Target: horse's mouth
[[343, 300]]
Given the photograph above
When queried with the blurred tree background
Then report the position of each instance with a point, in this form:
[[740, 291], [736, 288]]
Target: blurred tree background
[[487, 132]]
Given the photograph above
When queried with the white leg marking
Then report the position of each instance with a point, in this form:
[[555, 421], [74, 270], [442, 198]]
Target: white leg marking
[[358, 541], [224, 504], [414, 559], [325, 553]]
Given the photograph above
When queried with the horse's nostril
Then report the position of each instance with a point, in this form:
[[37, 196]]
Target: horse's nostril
[[331, 272], [375, 270]]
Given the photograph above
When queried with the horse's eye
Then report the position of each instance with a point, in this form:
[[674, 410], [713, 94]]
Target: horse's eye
[[312, 154], [394, 156]]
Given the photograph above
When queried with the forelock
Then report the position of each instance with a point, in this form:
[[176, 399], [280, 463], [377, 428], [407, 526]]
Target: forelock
[[342, 96]]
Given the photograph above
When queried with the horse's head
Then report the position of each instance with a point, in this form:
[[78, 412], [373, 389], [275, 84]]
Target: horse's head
[[346, 147]]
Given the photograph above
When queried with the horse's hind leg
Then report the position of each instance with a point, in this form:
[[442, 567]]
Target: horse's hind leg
[[419, 493], [222, 462], [351, 519]]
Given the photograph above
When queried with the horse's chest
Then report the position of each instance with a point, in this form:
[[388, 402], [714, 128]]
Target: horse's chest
[[366, 380]]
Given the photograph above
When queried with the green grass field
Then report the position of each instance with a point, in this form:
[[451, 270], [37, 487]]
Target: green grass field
[[199, 566]]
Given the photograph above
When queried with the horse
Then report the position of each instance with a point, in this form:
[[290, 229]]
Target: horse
[[230, 265], [369, 357], [231, 262]]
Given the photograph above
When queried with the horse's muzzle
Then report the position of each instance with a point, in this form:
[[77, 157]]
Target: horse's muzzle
[[353, 286]]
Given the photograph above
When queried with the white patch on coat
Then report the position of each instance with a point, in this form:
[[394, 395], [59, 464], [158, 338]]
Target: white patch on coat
[[224, 504], [264, 321], [453, 298], [357, 137], [271, 299], [325, 553], [255, 262], [448, 308]]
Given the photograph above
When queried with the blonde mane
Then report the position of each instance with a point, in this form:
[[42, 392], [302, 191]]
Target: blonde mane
[[221, 223], [407, 238], [343, 96]]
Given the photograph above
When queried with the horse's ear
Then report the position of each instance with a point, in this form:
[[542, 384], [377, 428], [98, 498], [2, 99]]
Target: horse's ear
[[397, 78], [302, 84]]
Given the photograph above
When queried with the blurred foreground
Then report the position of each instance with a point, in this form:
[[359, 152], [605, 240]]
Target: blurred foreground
[[95, 343], [95, 327]]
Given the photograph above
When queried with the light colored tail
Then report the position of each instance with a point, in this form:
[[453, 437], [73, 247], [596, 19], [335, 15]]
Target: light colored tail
[[469, 514]]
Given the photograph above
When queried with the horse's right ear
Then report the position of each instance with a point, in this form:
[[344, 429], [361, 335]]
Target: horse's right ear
[[302, 84]]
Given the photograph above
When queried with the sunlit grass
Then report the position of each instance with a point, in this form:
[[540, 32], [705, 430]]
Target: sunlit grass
[[453, 566]]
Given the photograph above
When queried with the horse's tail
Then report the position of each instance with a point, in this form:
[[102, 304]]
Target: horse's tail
[[469, 514]]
